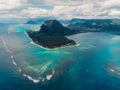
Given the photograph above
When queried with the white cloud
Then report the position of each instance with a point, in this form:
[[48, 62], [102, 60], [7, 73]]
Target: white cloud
[[34, 12], [10, 4], [13, 4], [114, 13], [61, 8], [107, 4]]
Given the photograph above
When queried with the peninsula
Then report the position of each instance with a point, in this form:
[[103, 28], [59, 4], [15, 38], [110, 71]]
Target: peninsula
[[51, 35]]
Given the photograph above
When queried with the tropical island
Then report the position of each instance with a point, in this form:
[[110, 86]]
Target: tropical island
[[51, 35]]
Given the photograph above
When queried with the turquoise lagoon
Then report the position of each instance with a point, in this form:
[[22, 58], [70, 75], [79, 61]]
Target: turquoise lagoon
[[93, 65]]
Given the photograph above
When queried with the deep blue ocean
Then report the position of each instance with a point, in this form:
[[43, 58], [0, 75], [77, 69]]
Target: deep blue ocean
[[93, 65]]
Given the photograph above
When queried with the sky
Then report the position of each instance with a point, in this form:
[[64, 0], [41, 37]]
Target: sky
[[62, 9]]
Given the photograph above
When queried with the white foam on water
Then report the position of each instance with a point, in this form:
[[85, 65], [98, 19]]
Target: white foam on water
[[14, 63], [12, 57], [27, 76], [20, 70], [48, 77], [30, 78], [112, 70]]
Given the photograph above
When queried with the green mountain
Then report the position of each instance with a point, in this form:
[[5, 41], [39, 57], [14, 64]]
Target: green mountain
[[95, 25]]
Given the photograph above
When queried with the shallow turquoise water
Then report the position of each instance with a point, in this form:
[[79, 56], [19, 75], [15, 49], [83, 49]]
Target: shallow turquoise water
[[94, 65]]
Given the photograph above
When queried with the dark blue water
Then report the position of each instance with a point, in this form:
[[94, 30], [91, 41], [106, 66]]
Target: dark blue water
[[93, 65]]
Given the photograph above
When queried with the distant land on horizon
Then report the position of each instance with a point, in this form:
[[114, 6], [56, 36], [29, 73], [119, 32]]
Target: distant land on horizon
[[85, 25]]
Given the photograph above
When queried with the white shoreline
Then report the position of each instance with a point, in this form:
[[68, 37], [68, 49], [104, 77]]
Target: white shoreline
[[32, 42]]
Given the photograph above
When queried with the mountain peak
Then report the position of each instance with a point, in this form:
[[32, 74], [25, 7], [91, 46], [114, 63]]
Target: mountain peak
[[51, 21], [52, 27]]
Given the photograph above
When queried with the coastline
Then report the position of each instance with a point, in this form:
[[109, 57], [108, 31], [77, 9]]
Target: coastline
[[32, 42]]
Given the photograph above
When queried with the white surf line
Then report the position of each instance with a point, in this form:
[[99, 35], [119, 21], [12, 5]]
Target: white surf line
[[25, 75], [12, 57], [32, 42], [30, 78], [48, 77], [16, 65], [112, 70]]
